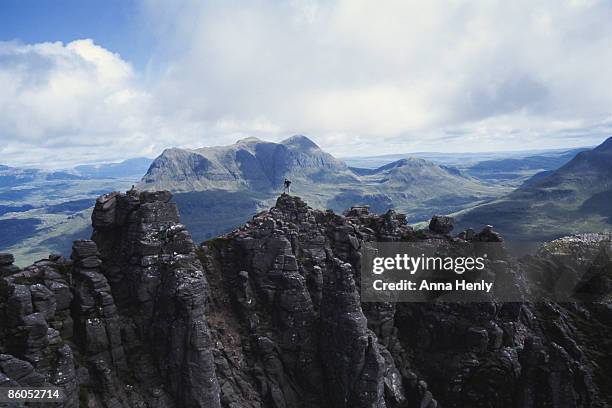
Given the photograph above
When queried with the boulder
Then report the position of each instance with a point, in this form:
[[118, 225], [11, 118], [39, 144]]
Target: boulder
[[441, 224]]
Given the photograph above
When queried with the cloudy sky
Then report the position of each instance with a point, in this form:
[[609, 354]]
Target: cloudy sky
[[84, 82]]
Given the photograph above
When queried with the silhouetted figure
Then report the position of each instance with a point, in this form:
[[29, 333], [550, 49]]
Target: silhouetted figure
[[287, 188]]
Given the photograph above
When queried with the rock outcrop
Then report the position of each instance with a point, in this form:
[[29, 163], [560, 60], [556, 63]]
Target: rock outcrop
[[270, 315], [120, 324], [160, 290], [36, 327], [441, 224], [286, 296]]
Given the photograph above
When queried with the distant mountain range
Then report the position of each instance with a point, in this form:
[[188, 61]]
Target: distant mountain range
[[508, 169], [130, 167], [577, 197], [218, 187], [15, 176]]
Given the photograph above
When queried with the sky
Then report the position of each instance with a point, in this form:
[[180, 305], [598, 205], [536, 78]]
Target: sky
[[98, 81]]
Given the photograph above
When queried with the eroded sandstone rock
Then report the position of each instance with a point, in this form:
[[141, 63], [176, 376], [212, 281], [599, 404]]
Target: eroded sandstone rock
[[270, 315]]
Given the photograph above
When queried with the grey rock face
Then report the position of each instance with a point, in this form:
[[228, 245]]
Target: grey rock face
[[97, 325], [353, 363], [158, 287]]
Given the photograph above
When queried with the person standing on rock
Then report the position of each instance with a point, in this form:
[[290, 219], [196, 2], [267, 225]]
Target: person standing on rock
[[287, 188]]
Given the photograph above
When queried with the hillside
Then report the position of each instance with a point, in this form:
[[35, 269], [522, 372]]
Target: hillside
[[508, 170], [572, 199]]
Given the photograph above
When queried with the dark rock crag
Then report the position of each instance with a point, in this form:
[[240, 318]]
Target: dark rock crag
[[120, 324], [270, 315], [286, 299], [36, 327], [160, 291]]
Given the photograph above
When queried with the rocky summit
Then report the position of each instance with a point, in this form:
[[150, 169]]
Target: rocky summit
[[270, 315]]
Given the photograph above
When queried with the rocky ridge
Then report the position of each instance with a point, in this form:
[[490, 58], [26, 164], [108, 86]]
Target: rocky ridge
[[122, 322], [270, 315]]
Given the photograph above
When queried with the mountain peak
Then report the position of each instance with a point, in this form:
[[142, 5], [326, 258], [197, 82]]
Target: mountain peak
[[409, 161], [397, 163], [606, 146], [251, 164], [300, 141]]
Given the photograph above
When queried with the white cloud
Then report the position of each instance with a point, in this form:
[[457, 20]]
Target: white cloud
[[398, 74], [66, 103], [361, 77]]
